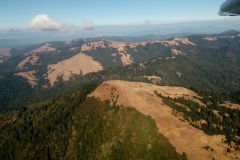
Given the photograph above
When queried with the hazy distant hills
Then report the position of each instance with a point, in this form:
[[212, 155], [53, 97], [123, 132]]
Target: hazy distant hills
[[22, 43], [225, 39]]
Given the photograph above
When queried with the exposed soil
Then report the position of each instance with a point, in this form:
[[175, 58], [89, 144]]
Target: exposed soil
[[29, 76], [183, 136], [67, 42], [179, 74], [154, 79], [8, 122], [5, 52], [230, 105], [215, 38], [120, 46], [126, 59], [32, 59], [114, 54], [217, 114], [210, 38], [74, 48], [92, 45], [176, 52], [199, 123], [176, 41], [44, 48], [142, 66]]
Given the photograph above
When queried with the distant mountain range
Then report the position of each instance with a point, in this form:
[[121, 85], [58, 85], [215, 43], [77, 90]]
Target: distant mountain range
[[21, 38]]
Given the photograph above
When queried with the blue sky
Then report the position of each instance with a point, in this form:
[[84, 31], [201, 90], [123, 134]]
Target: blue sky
[[36, 21], [18, 13]]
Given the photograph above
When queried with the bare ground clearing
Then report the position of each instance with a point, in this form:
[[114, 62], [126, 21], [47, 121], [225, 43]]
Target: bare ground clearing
[[67, 42], [5, 52], [230, 105], [176, 52], [218, 37], [176, 41], [120, 46], [126, 59], [154, 79], [32, 59], [44, 48], [29, 76]]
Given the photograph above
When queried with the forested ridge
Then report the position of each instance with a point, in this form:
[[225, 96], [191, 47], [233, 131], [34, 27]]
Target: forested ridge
[[75, 127]]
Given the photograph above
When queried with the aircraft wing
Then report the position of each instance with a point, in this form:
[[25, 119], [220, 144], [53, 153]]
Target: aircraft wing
[[230, 8]]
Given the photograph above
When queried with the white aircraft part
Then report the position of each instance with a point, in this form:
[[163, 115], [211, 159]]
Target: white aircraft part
[[230, 8]]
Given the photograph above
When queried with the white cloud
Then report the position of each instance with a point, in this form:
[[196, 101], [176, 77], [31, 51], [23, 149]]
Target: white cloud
[[44, 23], [87, 25]]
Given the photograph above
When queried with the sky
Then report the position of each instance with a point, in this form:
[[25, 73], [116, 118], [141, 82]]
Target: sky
[[59, 18], [16, 14]]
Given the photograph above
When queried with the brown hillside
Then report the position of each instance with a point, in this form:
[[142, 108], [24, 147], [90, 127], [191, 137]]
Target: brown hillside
[[120, 46], [77, 64], [32, 59], [5, 52], [29, 76], [45, 48], [219, 37], [183, 136], [176, 41]]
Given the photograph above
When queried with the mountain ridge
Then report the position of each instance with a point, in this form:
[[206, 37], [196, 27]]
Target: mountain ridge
[[212, 64], [142, 97]]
